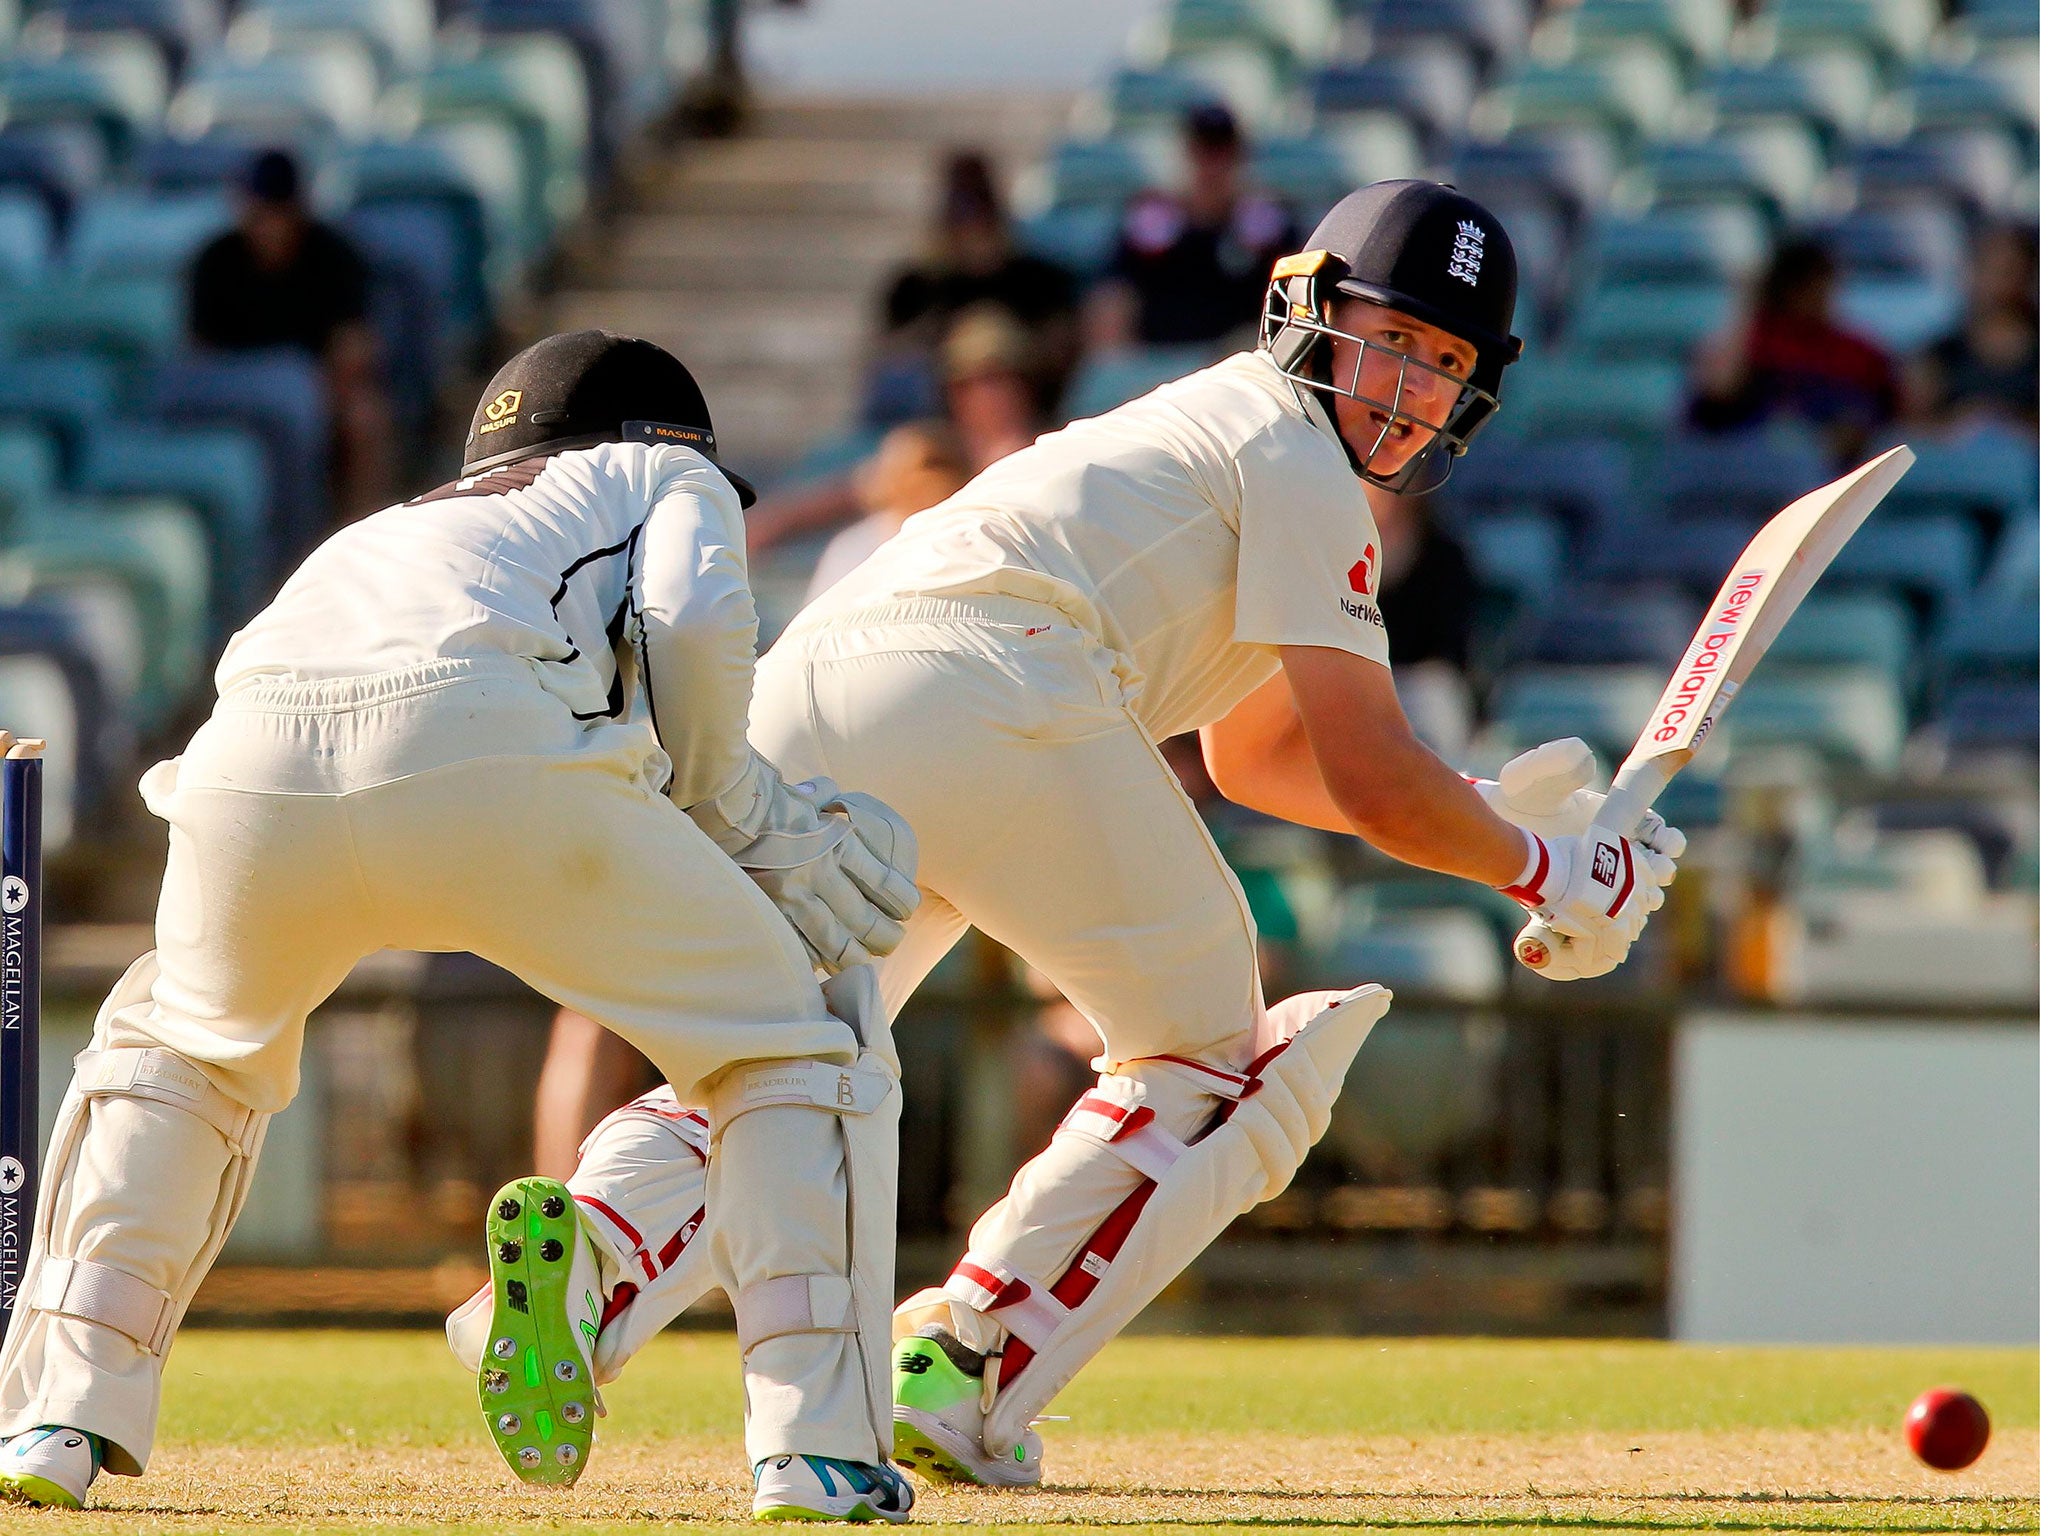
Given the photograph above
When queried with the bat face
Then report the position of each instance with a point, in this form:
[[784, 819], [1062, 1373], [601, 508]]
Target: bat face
[[1756, 598]]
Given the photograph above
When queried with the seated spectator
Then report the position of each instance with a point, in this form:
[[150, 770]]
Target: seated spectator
[[1192, 267], [282, 278], [918, 465], [1790, 357], [973, 261], [1429, 597], [990, 406], [1987, 372]]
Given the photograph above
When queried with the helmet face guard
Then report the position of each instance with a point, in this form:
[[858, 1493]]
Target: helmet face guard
[[1296, 331]]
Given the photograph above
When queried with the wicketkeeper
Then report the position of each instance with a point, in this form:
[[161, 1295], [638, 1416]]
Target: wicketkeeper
[[507, 717]]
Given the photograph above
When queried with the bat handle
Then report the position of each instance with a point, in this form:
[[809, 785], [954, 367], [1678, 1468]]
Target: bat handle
[[1634, 790]]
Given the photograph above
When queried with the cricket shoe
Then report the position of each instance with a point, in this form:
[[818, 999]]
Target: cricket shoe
[[941, 1389], [529, 1334], [822, 1488], [49, 1465]]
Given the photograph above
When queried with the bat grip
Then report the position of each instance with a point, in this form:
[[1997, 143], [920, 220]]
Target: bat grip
[[1634, 790]]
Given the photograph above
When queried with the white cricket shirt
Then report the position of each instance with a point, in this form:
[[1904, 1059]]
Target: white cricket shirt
[[593, 563], [1191, 531]]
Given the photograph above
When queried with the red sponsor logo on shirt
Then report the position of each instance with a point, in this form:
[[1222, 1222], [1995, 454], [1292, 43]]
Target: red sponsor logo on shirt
[[1361, 573]]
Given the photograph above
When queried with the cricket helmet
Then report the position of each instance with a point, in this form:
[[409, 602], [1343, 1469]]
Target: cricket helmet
[[581, 388], [1430, 252]]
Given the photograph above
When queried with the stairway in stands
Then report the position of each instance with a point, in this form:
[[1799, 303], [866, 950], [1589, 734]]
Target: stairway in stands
[[759, 259]]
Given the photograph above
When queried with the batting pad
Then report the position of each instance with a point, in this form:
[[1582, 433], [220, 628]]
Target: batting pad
[[1188, 1194], [149, 1166]]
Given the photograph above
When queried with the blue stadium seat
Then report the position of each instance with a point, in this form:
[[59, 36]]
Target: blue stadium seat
[[279, 398], [472, 172], [1517, 552], [1095, 173], [1992, 476], [116, 86], [1573, 395], [1994, 19], [133, 319], [1894, 31], [1938, 96], [1990, 639], [2014, 574], [1850, 715], [1573, 163], [1606, 706], [413, 280], [1992, 714], [1307, 174], [1585, 484], [1698, 29], [1776, 165], [1430, 84], [1193, 26], [1080, 237], [220, 471], [1833, 89], [1696, 553], [1747, 476], [184, 29], [1583, 625], [1650, 320], [1159, 98], [36, 699], [64, 394], [1979, 169], [625, 76], [29, 468], [1923, 240], [535, 87], [1632, 87], [24, 237], [1684, 243], [1901, 315], [399, 33], [1834, 629], [323, 97], [137, 234], [1934, 558], [59, 162], [1374, 144], [1106, 380], [103, 736], [1493, 31]]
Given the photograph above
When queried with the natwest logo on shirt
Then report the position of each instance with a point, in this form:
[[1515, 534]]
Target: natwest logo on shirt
[[1362, 573]]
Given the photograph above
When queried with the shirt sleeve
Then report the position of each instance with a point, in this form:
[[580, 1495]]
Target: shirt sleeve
[[1308, 553], [694, 632]]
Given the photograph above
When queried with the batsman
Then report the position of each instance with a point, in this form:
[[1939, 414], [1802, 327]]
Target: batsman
[[1002, 672], [506, 717]]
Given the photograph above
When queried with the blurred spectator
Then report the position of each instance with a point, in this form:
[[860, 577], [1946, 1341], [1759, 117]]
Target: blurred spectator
[[1790, 357], [989, 394], [282, 278], [1987, 371], [991, 409], [1193, 267], [918, 465], [1429, 597], [972, 261]]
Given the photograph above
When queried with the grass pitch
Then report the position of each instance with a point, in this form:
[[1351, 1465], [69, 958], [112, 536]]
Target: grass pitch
[[268, 1431]]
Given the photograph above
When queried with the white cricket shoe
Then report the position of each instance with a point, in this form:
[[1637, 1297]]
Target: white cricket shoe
[[941, 1386], [823, 1488], [49, 1465]]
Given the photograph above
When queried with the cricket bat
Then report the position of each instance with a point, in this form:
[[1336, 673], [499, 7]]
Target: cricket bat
[[1760, 593]]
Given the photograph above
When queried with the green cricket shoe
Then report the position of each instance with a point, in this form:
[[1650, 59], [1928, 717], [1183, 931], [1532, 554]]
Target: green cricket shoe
[[939, 1415], [814, 1488], [50, 1466], [534, 1382]]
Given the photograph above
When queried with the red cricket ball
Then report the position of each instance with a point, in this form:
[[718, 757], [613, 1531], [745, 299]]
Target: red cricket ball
[[1947, 1428]]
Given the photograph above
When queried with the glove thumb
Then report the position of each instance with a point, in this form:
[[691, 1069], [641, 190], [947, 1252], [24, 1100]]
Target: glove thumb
[[1543, 779]]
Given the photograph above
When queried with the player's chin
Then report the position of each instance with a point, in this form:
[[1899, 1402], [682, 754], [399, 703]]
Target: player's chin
[[1395, 453]]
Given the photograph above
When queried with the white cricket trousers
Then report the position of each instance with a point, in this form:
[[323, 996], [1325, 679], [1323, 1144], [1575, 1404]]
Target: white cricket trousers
[[1047, 818], [453, 805]]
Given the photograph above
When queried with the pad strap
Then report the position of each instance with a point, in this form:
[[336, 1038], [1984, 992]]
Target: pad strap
[[112, 1298], [165, 1077], [1131, 1131], [853, 1090], [989, 1285], [768, 1309]]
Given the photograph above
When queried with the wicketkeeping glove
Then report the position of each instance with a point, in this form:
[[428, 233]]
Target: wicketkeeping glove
[[1596, 890], [1549, 790], [841, 867]]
